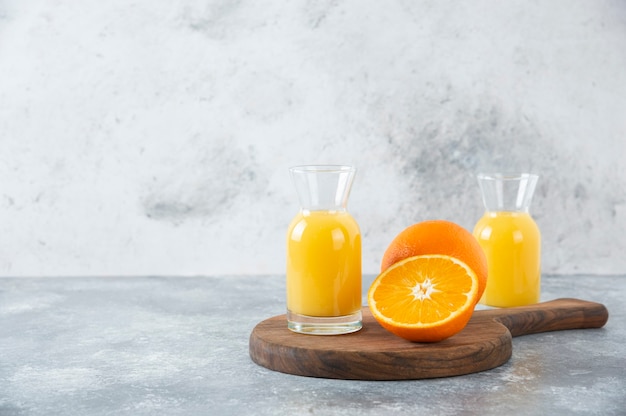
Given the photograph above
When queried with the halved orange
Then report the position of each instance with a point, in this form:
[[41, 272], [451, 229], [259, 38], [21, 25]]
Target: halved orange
[[424, 298]]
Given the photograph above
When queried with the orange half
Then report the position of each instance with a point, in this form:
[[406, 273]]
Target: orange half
[[424, 298]]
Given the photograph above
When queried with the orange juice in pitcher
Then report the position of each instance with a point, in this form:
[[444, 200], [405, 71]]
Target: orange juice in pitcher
[[324, 265], [323, 254], [511, 240]]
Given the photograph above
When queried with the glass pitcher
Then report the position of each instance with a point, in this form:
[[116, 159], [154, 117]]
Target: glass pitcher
[[510, 238], [323, 254]]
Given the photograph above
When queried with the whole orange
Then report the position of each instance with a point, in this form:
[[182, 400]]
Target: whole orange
[[438, 237]]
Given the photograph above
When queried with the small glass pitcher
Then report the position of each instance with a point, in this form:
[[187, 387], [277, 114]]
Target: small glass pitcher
[[323, 254], [510, 238]]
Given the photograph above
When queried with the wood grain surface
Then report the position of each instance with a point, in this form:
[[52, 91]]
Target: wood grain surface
[[375, 354]]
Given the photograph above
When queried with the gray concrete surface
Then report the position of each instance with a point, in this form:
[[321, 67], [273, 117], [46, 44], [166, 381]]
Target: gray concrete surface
[[179, 346]]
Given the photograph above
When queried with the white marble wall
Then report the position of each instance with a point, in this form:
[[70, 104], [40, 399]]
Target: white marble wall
[[153, 137]]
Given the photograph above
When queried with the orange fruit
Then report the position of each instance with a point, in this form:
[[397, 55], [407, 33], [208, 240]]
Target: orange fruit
[[438, 237], [424, 298]]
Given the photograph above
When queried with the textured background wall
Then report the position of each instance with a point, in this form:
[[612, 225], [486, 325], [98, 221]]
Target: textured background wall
[[154, 137]]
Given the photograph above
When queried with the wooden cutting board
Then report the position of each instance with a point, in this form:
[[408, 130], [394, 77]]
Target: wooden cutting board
[[375, 354]]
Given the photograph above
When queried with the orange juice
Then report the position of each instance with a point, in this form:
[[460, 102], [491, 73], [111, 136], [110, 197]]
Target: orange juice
[[324, 264], [512, 244]]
